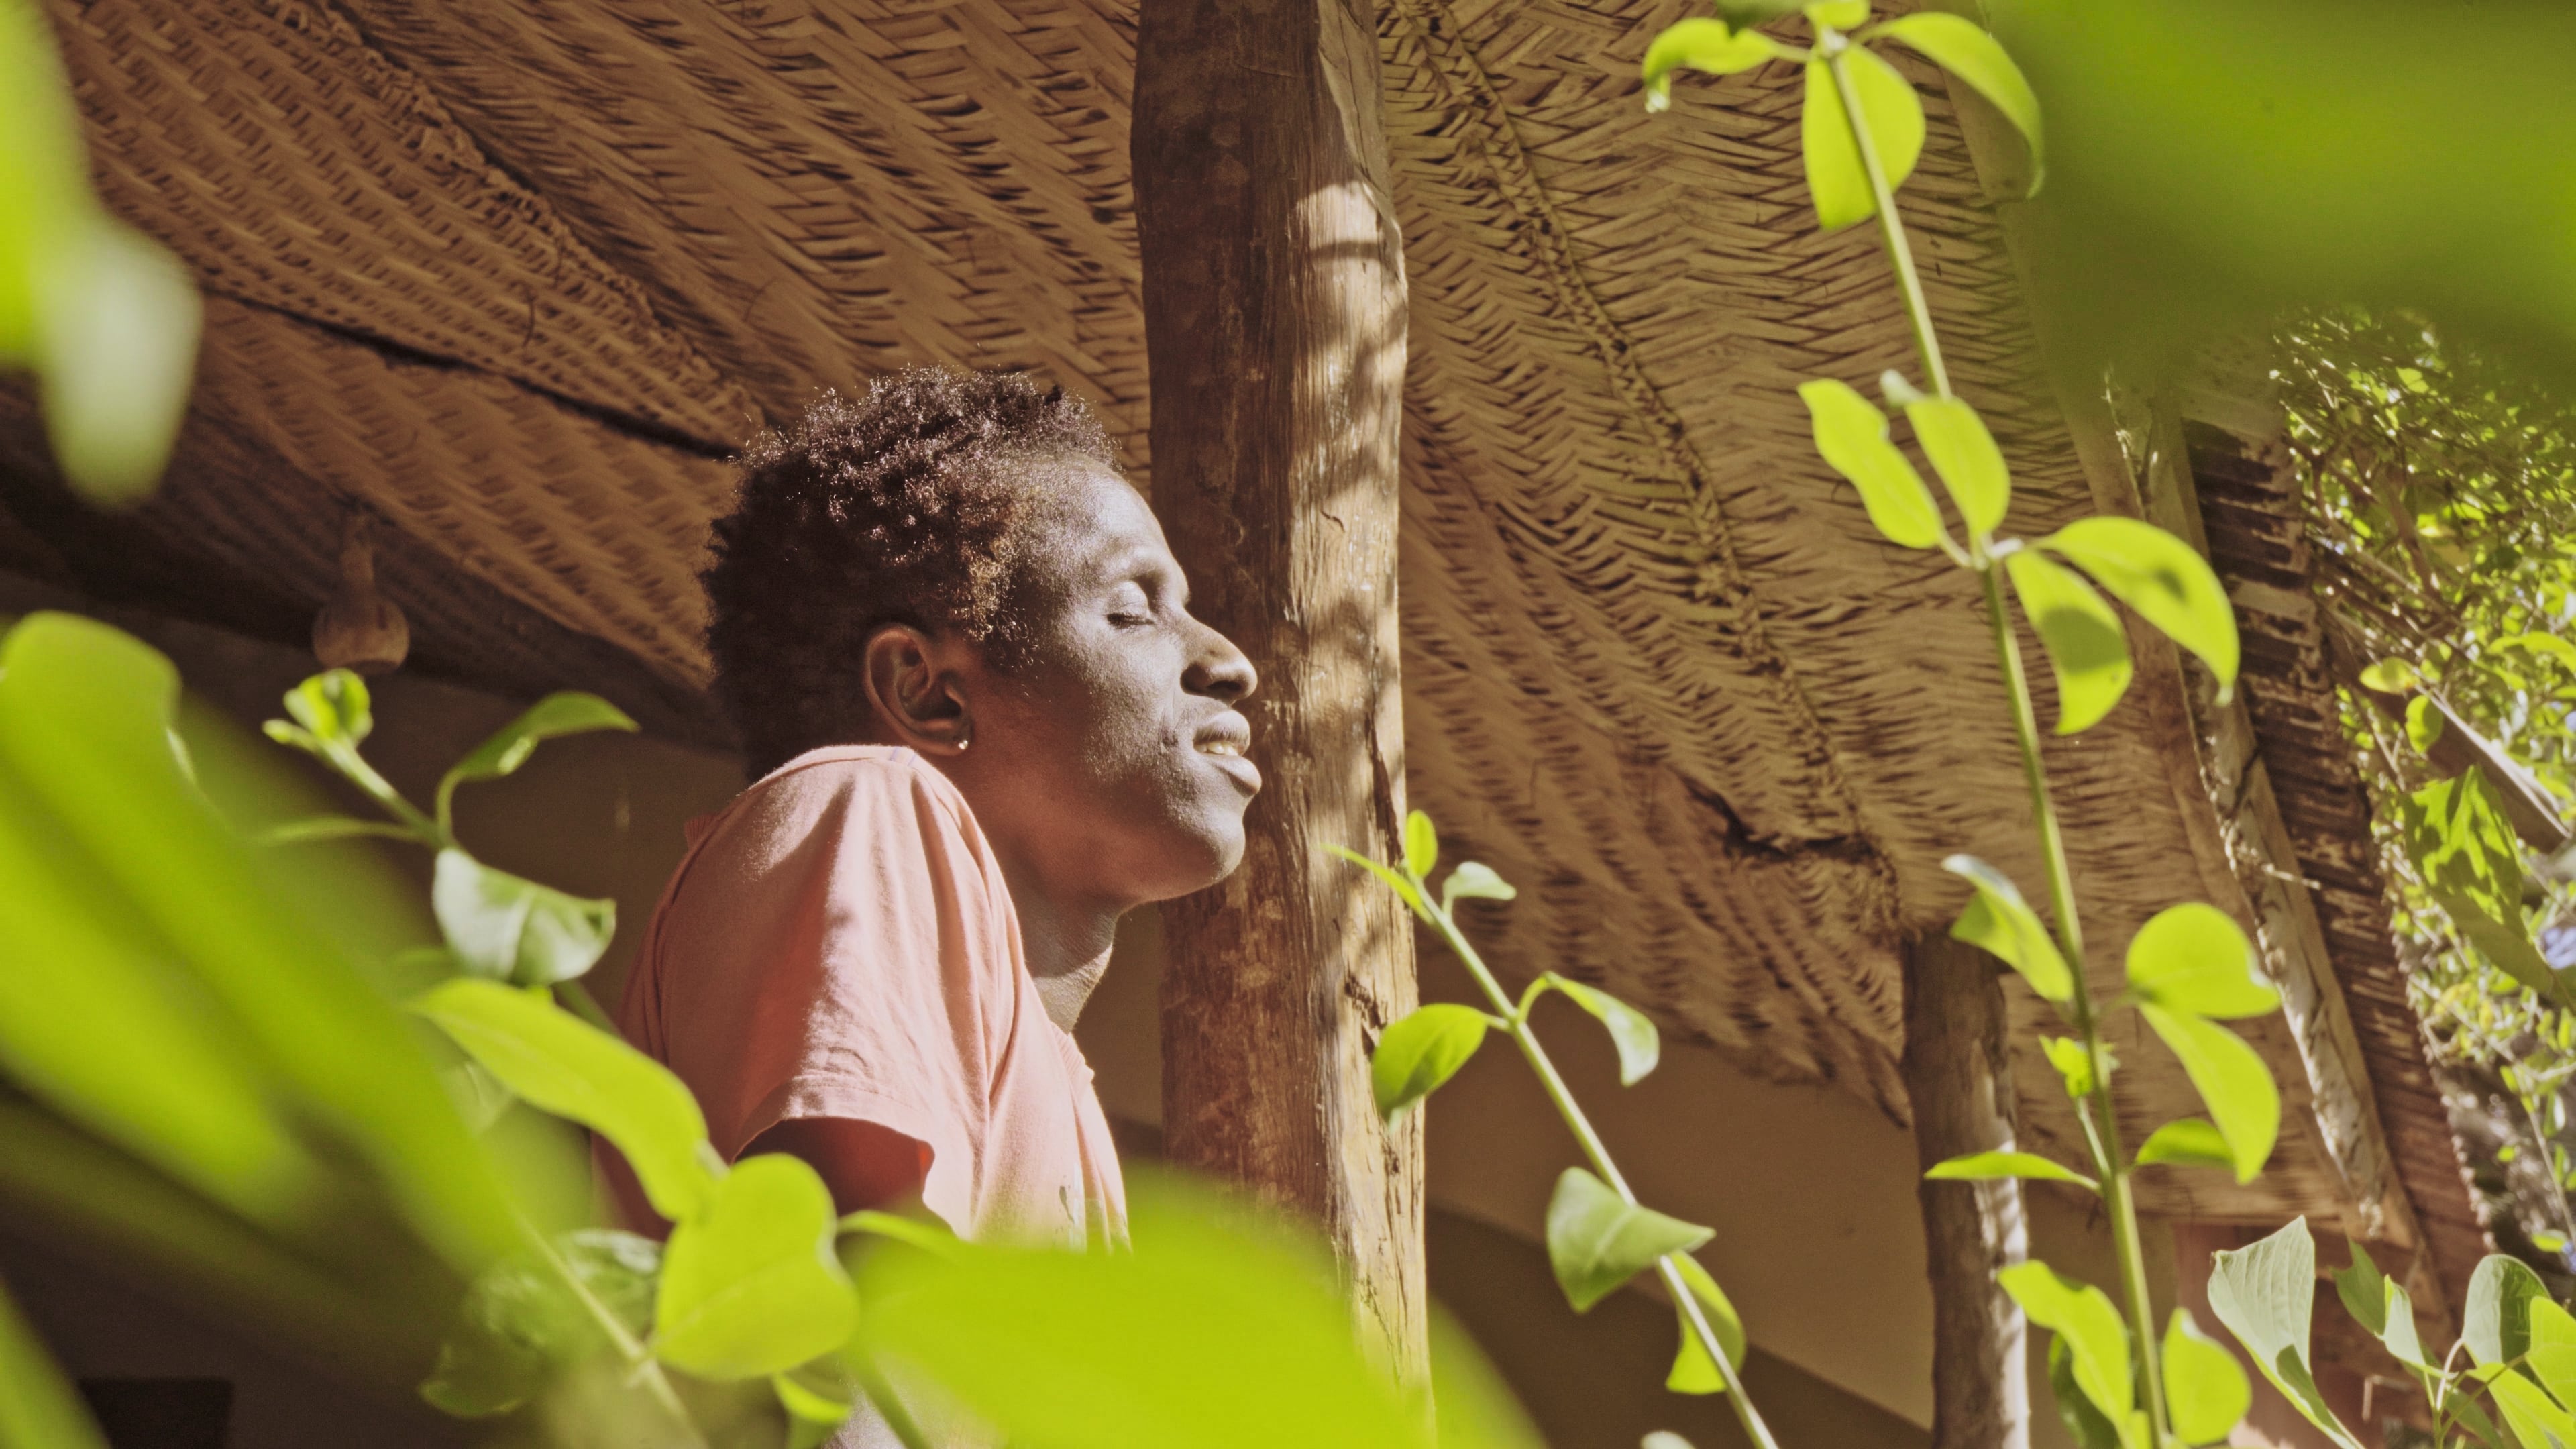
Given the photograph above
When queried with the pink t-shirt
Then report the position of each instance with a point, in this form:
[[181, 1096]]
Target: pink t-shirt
[[838, 942]]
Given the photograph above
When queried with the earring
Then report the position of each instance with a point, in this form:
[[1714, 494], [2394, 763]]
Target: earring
[[964, 740]]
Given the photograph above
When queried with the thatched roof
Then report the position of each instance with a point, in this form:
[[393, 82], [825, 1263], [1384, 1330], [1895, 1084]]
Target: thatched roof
[[513, 278]]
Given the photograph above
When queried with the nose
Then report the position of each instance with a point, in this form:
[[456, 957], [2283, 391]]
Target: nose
[[1219, 670]]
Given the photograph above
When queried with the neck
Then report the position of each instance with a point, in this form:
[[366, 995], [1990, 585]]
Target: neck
[[1067, 944]]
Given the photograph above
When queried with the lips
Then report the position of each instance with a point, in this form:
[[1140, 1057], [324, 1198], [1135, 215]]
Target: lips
[[1223, 740]]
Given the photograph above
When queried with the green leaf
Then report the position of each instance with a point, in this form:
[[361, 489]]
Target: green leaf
[[1597, 1240], [2188, 1142], [2552, 1355], [2087, 650], [812, 1413], [330, 827], [1663, 1439], [1964, 454], [1840, 14], [38, 1408], [2191, 958], [2535, 1421], [1639, 1047], [1421, 845], [1395, 881], [1693, 1371], [1985, 1166], [2001, 923], [751, 1286], [2265, 1294], [559, 1064], [2364, 1291], [2085, 1320], [2424, 723], [2497, 1324], [1958, 46], [567, 713], [1707, 45], [515, 930], [1745, 13], [1421, 1050], [2398, 1334], [1474, 880], [2391, 676], [2084, 1423], [117, 320], [1852, 436], [334, 707], [2074, 1065], [2206, 1394], [2163, 579], [2232, 1080], [519, 1324], [1894, 115]]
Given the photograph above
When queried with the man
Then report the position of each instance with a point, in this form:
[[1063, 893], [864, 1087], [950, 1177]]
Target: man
[[984, 726]]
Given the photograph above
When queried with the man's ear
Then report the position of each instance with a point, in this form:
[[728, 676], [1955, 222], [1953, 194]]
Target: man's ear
[[913, 692]]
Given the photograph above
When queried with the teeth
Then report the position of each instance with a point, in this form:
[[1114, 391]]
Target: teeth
[[1220, 747]]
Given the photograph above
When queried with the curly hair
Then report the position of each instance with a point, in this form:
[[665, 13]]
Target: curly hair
[[906, 506]]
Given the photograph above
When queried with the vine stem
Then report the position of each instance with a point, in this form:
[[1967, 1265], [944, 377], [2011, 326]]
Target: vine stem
[[2110, 1164], [1516, 1023]]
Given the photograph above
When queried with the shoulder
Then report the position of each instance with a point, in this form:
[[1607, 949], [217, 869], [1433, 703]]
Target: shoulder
[[863, 795]]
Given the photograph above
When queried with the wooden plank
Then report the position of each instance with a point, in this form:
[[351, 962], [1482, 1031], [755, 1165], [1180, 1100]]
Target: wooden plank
[[1275, 333]]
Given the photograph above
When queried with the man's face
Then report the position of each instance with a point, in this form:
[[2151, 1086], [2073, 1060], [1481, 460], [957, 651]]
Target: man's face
[[1108, 763]]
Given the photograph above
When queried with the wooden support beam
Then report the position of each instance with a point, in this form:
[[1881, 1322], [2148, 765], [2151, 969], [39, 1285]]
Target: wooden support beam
[[1275, 333], [1958, 1076]]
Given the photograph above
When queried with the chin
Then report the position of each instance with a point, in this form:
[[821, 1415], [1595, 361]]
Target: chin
[[1198, 854]]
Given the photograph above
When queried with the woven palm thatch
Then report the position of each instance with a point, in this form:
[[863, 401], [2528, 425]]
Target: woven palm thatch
[[514, 278]]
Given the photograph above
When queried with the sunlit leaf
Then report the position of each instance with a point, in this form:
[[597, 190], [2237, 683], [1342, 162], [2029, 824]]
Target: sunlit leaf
[[2552, 1355], [38, 1408], [2398, 1332], [2536, 1421], [1693, 1371], [1703, 44], [1597, 1240], [2000, 922], [2187, 1142], [1394, 879], [1958, 46], [510, 929], [2206, 1394], [1421, 845], [567, 713], [1421, 1050], [2266, 1293], [1474, 880], [2424, 723], [2169, 584], [812, 1413], [2085, 1320], [2192, 958], [2084, 1423], [334, 706], [2233, 1083], [2391, 676], [1472, 1406], [2087, 651], [1663, 1439], [1986, 1166], [2074, 1065], [1744, 13], [1964, 454], [1835, 179], [2364, 1291], [2497, 1323], [559, 1064], [750, 1285], [1635, 1036], [1840, 14], [1852, 436]]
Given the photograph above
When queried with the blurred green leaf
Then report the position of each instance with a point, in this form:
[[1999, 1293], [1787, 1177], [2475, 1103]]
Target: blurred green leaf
[[750, 1285], [1639, 1045], [38, 1409], [2391, 676], [1663, 1439], [2084, 1423], [1894, 115], [1852, 436], [2496, 1325], [2191, 958], [566, 713], [510, 929], [2187, 1142], [1840, 14], [333, 707], [1393, 879], [1474, 880], [518, 1325], [2084, 1319], [2536, 1421], [1473, 1407], [2232, 1080], [332, 827], [117, 322], [2087, 651], [1702, 44], [1988, 1166], [2424, 723], [1218, 1328], [561, 1065], [1693, 1371], [2398, 1332], [2074, 1065], [1964, 454], [2266, 1293], [2000, 922], [2552, 1355], [1421, 1050], [1421, 845], [2206, 1394], [1959, 46], [2168, 583], [812, 1413], [1743, 13], [2364, 1291], [1597, 1240], [85, 722]]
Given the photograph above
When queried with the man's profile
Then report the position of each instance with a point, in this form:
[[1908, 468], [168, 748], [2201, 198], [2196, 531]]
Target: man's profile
[[983, 726]]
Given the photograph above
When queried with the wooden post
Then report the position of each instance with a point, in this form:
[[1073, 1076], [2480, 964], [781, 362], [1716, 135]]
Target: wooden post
[[1274, 328], [1958, 1075]]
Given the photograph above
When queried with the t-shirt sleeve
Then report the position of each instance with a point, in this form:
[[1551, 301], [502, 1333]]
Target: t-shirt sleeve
[[833, 952]]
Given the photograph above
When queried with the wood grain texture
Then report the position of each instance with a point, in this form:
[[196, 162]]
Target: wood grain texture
[[1275, 335], [1958, 1073]]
